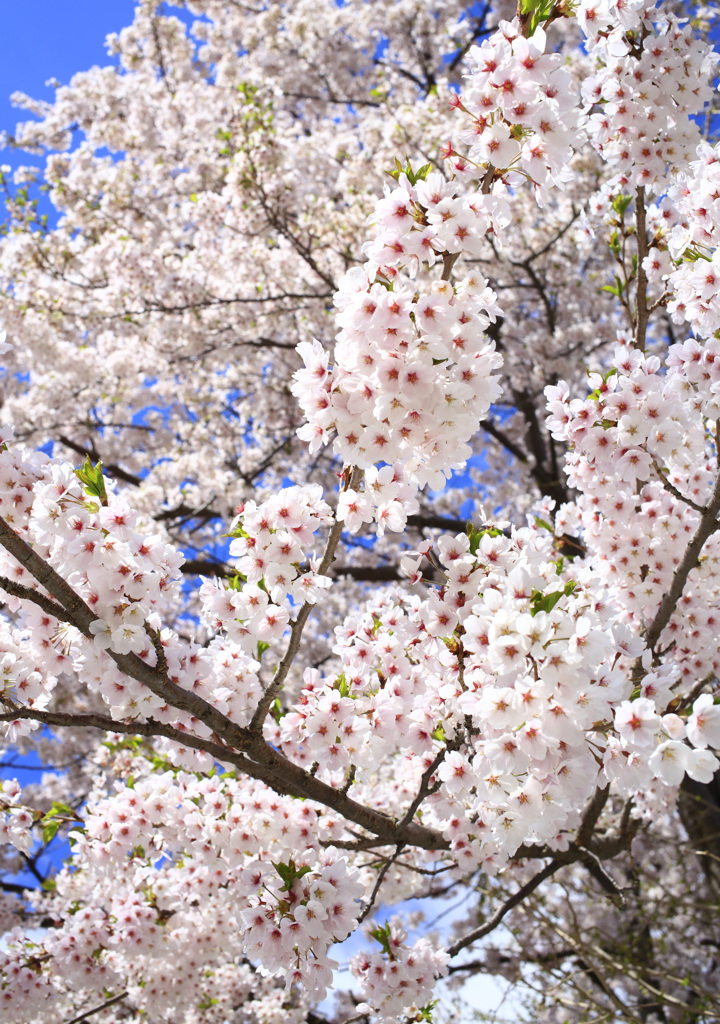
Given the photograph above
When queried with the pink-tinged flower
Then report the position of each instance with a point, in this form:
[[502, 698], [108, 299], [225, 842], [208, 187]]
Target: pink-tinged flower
[[391, 516], [701, 765], [310, 586], [669, 761], [271, 624], [637, 722], [118, 518], [354, 509], [456, 773], [703, 727], [102, 633], [496, 146], [129, 638]]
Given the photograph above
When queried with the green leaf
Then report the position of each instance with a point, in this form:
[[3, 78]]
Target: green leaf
[[535, 12], [289, 873], [91, 478], [412, 176], [236, 582], [540, 602], [620, 204], [383, 936], [692, 254], [59, 807], [544, 524], [476, 535], [614, 289], [206, 1003], [276, 710], [50, 830]]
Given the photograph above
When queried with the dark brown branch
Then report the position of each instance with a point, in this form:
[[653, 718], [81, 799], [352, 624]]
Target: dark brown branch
[[368, 573], [490, 428], [16, 888], [187, 512], [97, 1009], [506, 907], [672, 489], [591, 815], [261, 762], [429, 520], [28, 594], [206, 567], [480, 30], [706, 527], [641, 282], [352, 480], [111, 468], [378, 882], [82, 617]]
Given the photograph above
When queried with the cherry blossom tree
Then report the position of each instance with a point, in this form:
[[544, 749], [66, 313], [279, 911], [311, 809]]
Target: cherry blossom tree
[[359, 517]]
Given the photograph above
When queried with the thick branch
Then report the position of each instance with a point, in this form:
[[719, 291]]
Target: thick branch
[[591, 815], [28, 594], [260, 762], [82, 617]]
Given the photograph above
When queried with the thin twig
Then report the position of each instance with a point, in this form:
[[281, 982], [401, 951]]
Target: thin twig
[[97, 1009], [641, 281], [672, 489], [378, 882], [506, 907], [303, 615], [706, 527]]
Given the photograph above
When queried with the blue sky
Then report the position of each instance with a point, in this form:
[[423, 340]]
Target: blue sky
[[43, 39]]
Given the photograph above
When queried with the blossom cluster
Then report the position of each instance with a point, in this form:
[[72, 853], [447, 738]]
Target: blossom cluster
[[477, 707], [694, 241], [270, 544], [15, 820], [259, 856], [653, 79], [514, 643], [127, 576], [523, 107], [643, 459], [402, 981], [413, 371], [295, 923]]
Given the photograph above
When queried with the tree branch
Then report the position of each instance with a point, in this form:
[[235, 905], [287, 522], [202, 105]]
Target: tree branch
[[97, 1009], [641, 282], [352, 480], [28, 594], [706, 527], [506, 907]]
